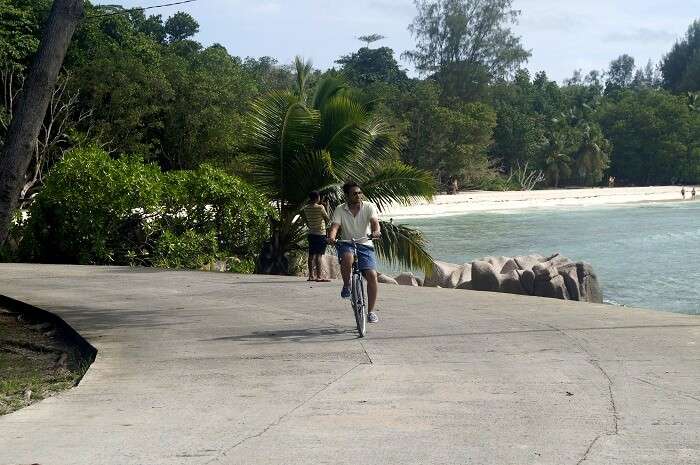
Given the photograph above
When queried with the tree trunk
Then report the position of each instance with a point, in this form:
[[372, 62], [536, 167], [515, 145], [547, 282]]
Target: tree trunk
[[26, 122], [273, 258]]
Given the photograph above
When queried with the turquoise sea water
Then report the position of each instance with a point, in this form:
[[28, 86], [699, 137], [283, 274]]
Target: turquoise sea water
[[645, 255]]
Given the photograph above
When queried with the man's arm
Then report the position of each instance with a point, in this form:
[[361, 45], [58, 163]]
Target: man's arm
[[333, 232], [374, 225], [335, 226], [374, 222]]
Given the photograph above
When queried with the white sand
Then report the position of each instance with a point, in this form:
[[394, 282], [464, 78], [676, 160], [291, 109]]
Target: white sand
[[485, 201]]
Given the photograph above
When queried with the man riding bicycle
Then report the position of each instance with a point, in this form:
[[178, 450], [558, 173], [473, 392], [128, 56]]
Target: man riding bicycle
[[356, 219]]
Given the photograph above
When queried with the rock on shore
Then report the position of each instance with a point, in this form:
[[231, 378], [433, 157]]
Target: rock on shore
[[554, 276]]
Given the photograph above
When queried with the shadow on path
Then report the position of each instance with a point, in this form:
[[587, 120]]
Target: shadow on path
[[293, 335]]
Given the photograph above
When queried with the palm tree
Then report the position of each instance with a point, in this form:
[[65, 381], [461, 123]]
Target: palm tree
[[558, 163], [592, 158], [298, 146]]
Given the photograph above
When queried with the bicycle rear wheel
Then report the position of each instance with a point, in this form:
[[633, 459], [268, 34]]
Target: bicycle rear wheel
[[359, 305]]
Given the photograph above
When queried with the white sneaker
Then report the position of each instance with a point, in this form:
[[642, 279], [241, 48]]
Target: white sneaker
[[372, 317]]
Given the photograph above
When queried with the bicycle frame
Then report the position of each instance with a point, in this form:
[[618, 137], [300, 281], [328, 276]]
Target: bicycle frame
[[357, 293]]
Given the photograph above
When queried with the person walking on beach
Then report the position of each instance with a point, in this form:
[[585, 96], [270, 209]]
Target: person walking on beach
[[316, 219], [692, 194], [356, 219], [683, 192]]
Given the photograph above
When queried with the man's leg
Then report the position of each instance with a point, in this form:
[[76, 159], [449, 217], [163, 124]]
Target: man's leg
[[372, 285], [346, 268]]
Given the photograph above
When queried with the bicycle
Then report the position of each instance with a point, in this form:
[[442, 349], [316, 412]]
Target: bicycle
[[358, 294]]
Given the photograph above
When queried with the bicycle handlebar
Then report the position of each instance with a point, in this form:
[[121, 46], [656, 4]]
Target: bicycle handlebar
[[368, 236], [355, 240]]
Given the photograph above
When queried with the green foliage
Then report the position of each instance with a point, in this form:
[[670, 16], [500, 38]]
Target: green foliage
[[447, 141], [655, 138], [681, 66], [523, 116], [9, 251], [368, 66], [180, 26], [298, 147], [152, 90], [620, 74], [90, 209], [96, 210], [551, 128], [187, 250], [369, 38], [18, 35], [466, 42], [209, 200]]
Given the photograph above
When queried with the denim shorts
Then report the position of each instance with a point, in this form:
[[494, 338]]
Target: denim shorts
[[365, 255], [317, 244]]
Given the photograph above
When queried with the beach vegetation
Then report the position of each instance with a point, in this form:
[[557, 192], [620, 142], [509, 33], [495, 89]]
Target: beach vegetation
[[134, 83], [98, 210], [302, 142], [465, 44], [681, 66]]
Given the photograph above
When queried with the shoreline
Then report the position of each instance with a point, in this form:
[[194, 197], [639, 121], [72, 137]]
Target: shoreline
[[500, 201]]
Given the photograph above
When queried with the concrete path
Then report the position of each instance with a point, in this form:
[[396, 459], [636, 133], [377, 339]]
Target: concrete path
[[205, 368]]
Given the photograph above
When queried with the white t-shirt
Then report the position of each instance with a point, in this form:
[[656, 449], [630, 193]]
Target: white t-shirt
[[356, 227]]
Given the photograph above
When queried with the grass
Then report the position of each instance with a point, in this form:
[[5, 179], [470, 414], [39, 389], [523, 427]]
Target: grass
[[33, 363]]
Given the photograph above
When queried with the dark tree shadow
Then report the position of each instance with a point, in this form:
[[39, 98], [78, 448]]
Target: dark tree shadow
[[294, 335]]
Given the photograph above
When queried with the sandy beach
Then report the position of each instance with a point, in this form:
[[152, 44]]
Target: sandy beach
[[484, 201]]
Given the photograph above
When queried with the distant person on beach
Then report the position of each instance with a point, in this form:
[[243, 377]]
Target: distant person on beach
[[356, 219], [455, 186], [692, 194], [316, 219], [683, 192]]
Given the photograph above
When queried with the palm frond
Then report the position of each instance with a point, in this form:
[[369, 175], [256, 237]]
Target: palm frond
[[280, 129], [303, 69], [326, 89], [358, 144], [310, 171], [404, 246], [398, 183], [385, 145]]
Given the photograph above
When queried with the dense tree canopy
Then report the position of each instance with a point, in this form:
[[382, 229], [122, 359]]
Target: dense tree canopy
[[368, 66], [681, 66], [143, 84], [466, 43]]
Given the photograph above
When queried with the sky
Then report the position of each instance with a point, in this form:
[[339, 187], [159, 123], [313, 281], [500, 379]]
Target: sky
[[562, 35]]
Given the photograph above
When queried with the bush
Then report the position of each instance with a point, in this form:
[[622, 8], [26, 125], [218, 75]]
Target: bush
[[96, 210], [209, 199], [90, 209], [188, 250]]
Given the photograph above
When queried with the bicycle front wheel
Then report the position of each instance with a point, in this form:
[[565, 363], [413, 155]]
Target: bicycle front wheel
[[359, 303]]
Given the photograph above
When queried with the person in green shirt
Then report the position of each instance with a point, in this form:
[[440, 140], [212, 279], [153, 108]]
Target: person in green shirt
[[317, 220]]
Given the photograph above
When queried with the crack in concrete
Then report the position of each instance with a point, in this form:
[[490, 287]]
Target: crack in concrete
[[366, 354], [666, 389], [593, 361], [588, 451], [281, 418]]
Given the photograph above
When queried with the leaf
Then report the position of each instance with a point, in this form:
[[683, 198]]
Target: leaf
[[398, 183], [404, 246]]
